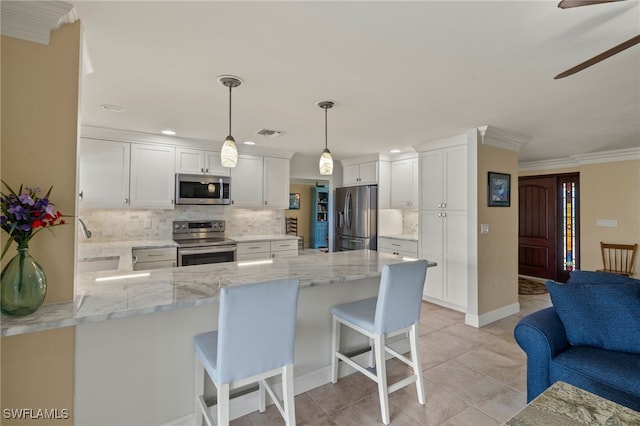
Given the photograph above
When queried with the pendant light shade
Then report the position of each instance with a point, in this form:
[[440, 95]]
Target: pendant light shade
[[326, 161], [229, 153]]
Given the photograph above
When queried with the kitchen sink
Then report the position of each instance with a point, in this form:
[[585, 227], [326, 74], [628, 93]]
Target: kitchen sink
[[95, 264]]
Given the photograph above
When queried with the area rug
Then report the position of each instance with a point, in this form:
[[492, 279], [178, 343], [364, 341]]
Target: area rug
[[528, 287]]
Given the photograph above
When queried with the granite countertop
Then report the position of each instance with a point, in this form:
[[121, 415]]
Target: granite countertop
[[100, 297], [405, 237], [564, 404]]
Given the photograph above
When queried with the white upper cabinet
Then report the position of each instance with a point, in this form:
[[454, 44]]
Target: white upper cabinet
[[260, 182], [360, 174], [443, 179], [276, 182], [246, 182], [104, 173], [152, 176], [404, 184], [197, 161]]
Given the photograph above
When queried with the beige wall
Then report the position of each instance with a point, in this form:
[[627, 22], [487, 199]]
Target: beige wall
[[40, 86], [304, 214], [498, 249], [607, 191]]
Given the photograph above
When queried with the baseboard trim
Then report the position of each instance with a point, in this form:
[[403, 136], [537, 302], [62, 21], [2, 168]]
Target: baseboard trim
[[495, 315]]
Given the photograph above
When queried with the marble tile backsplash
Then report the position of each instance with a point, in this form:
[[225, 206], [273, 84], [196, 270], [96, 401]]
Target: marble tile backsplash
[[119, 225], [410, 222]]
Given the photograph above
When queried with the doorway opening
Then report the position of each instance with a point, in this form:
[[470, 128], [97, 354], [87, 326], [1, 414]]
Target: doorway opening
[[549, 226]]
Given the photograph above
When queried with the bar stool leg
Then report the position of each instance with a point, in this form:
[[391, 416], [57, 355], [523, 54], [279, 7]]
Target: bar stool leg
[[223, 405], [287, 391], [199, 390], [372, 359], [381, 372], [261, 396], [335, 347], [417, 366]]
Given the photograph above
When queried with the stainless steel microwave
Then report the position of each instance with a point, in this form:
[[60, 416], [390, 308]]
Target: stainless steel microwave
[[202, 189]]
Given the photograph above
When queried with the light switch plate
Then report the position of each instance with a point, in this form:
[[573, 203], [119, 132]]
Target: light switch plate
[[484, 228], [607, 223]]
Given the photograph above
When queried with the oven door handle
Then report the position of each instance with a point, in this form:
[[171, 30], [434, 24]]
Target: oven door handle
[[200, 250]]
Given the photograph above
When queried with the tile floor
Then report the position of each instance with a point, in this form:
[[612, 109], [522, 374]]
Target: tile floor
[[473, 377]]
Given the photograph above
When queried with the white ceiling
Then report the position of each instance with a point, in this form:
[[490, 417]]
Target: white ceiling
[[401, 73]]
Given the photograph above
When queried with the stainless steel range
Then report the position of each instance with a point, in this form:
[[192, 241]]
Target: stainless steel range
[[202, 242]]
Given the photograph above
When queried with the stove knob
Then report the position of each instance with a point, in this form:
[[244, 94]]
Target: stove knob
[[176, 226]]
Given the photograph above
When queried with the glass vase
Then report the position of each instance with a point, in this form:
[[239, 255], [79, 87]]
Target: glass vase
[[23, 285]]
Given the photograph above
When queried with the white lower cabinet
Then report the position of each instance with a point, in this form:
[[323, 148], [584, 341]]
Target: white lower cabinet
[[269, 249], [443, 239], [404, 248], [284, 248]]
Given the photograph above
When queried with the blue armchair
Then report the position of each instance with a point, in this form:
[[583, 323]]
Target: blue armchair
[[555, 354]]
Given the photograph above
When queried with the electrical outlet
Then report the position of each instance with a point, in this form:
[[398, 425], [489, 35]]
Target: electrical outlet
[[147, 224]]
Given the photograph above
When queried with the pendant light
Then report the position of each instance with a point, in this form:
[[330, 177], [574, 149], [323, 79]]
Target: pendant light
[[326, 161], [229, 153]]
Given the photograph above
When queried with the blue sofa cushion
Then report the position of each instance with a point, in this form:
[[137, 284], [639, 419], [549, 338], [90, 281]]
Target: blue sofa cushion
[[604, 316], [610, 374], [593, 277]]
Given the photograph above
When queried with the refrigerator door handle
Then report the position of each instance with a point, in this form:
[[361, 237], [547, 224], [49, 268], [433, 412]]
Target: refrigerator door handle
[[347, 208]]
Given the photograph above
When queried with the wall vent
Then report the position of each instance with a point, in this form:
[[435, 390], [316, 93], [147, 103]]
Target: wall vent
[[270, 133]]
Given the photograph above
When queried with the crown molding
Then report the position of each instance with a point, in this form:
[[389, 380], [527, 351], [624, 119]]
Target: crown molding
[[34, 20], [558, 163], [441, 143], [608, 156], [582, 159], [498, 138]]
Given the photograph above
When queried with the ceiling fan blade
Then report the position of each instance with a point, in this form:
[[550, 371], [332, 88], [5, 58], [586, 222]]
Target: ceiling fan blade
[[604, 55], [566, 4]]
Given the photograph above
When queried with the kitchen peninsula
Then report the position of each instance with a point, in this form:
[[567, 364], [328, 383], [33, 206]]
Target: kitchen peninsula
[[133, 350]]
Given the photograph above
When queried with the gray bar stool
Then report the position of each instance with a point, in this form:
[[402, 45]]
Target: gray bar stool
[[254, 341], [395, 311]]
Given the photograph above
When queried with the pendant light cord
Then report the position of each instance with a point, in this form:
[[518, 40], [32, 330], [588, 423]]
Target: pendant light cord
[[230, 109], [325, 127]]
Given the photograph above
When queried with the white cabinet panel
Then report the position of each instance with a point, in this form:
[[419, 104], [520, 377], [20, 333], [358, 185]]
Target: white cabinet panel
[[197, 161], [260, 182], [104, 174], [404, 184], [443, 179], [276, 182], [152, 176], [443, 239], [246, 182], [360, 174]]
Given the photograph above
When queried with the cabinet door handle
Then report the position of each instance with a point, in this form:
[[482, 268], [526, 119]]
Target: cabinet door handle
[[265, 203], [81, 195], [126, 201]]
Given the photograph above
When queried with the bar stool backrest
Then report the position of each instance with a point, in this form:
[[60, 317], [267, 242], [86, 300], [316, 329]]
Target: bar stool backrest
[[256, 328], [400, 296]]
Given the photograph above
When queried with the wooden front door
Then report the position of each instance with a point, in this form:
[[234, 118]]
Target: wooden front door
[[538, 207]]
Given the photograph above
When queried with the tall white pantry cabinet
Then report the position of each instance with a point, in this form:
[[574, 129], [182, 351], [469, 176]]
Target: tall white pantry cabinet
[[443, 222]]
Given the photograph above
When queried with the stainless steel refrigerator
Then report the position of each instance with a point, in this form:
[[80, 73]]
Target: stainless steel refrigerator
[[356, 218]]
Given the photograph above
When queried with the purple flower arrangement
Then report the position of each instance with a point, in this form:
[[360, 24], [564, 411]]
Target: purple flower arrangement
[[24, 214]]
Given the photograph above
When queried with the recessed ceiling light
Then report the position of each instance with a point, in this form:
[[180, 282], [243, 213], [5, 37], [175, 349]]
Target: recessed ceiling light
[[395, 151], [249, 143], [112, 108], [168, 132]]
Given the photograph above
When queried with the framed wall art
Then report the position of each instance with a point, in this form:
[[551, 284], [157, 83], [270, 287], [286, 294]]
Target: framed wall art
[[499, 190], [294, 201]]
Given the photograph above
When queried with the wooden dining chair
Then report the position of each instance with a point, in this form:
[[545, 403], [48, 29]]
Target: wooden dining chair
[[618, 258], [291, 225]]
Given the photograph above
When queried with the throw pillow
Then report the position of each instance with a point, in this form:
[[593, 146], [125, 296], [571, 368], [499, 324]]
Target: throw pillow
[[593, 277], [604, 316]]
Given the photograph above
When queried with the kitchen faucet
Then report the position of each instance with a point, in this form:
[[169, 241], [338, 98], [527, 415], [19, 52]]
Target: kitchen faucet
[[83, 228]]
